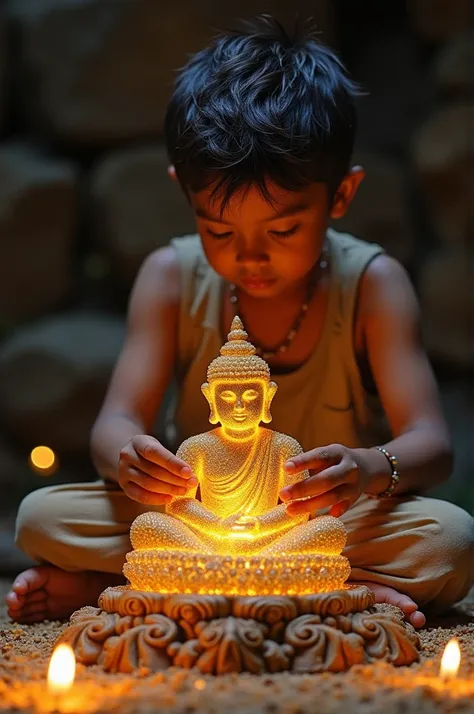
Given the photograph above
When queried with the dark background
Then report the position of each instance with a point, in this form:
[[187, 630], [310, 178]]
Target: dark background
[[84, 196]]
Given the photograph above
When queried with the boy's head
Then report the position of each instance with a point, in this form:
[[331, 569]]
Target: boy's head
[[260, 131]]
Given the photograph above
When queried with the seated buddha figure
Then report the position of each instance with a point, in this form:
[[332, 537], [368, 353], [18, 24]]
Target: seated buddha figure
[[240, 470]]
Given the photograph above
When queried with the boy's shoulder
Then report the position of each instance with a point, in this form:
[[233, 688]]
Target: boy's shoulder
[[188, 249], [346, 243], [351, 257]]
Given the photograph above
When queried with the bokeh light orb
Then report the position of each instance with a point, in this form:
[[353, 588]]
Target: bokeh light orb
[[43, 460]]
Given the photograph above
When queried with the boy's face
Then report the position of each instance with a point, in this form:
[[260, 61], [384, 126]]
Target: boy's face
[[264, 249]]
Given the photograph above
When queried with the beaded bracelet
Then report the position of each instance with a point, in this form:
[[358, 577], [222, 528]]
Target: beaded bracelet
[[392, 460]]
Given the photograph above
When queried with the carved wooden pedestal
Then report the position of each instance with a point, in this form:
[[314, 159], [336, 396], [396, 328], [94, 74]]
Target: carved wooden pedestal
[[219, 634]]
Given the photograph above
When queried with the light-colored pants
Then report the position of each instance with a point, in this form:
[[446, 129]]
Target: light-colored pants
[[420, 546]]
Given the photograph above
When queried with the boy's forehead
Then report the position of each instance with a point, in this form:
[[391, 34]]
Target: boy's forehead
[[250, 200]]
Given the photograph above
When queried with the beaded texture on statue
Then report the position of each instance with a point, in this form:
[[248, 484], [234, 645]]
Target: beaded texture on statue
[[238, 539]]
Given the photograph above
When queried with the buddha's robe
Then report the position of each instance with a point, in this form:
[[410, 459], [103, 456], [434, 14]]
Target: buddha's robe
[[237, 477], [242, 478]]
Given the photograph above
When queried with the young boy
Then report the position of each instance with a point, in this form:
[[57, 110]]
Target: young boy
[[260, 130]]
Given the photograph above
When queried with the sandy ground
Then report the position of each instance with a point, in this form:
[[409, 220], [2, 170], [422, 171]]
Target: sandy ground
[[371, 689]]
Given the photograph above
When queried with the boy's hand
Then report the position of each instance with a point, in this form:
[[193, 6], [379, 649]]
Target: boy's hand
[[150, 474], [337, 478]]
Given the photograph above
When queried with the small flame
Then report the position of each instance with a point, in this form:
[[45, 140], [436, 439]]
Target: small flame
[[451, 660], [62, 669]]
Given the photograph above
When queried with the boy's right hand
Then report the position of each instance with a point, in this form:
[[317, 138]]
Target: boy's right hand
[[150, 474]]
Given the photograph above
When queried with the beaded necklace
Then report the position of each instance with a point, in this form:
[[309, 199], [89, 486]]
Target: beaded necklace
[[285, 343]]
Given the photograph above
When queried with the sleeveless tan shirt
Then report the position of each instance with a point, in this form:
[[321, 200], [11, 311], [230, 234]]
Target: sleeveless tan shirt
[[321, 402]]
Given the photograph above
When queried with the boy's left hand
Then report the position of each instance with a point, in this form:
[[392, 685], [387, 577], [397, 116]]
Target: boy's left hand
[[337, 478]]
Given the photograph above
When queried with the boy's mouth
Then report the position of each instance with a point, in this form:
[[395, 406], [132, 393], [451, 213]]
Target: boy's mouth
[[256, 283]]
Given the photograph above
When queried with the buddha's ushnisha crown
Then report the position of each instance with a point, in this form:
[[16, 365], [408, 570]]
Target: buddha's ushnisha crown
[[238, 358]]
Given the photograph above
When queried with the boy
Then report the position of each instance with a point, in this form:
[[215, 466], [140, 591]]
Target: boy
[[260, 130]]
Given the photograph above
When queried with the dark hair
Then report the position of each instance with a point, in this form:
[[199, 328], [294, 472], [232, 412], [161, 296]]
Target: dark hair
[[260, 104]]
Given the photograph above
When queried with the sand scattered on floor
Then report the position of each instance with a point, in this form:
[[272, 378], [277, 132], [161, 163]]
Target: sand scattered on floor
[[373, 689]]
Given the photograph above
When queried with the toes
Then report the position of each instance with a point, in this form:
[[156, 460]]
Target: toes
[[417, 619], [30, 580], [34, 612], [34, 609], [405, 603], [14, 601], [18, 602]]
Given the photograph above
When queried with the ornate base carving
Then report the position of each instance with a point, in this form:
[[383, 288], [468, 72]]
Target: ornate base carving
[[217, 634]]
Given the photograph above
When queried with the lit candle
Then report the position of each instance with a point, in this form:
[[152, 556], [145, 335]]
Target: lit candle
[[61, 673], [450, 660]]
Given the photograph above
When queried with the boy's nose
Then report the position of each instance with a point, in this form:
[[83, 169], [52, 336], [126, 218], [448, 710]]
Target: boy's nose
[[252, 259], [251, 252]]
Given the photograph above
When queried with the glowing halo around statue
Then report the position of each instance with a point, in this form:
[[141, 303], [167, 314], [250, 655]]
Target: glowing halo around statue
[[231, 582]]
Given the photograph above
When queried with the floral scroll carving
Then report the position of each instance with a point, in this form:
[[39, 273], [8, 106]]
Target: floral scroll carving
[[322, 648], [188, 610], [87, 633], [273, 610], [228, 644], [142, 645], [386, 637], [219, 635], [125, 601]]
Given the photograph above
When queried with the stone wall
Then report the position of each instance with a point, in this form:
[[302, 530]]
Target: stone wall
[[84, 192]]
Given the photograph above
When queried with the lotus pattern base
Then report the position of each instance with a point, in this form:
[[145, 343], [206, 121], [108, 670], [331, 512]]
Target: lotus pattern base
[[220, 634]]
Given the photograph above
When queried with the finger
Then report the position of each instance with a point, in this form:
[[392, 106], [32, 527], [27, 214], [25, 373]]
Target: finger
[[136, 493], [315, 485], [148, 483], [316, 459], [162, 474], [153, 451], [308, 505], [339, 508]]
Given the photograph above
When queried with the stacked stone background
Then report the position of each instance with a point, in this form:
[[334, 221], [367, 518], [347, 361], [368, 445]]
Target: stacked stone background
[[85, 196]]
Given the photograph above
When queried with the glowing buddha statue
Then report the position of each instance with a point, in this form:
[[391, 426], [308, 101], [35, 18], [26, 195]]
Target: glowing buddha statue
[[237, 539]]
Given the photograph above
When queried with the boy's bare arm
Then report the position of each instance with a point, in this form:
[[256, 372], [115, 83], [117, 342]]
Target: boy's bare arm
[[388, 327], [139, 381], [389, 318]]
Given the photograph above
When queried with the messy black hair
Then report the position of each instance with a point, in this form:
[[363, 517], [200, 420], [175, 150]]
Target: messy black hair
[[261, 104]]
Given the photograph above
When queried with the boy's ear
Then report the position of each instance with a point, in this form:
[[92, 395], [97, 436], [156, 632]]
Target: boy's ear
[[346, 191], [172, 172]]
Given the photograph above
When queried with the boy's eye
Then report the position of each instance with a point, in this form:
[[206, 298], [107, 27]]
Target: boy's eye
[[219, 235], [285, 234]]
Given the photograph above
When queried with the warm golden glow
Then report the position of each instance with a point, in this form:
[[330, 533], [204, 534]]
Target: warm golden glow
[[238, 538], [62, 669], [450, 660], [43, 459]]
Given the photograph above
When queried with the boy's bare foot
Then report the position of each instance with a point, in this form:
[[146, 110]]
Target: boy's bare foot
[[49, 593], [392, 597]]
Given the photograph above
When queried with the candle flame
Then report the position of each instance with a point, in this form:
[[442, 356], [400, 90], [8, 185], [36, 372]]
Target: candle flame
[[62, 669], [451, 660]]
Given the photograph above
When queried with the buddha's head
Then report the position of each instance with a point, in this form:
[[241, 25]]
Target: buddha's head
[[238, 387]]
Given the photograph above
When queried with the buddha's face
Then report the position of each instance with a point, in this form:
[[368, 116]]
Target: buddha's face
[[239, 406]]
